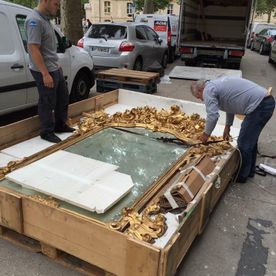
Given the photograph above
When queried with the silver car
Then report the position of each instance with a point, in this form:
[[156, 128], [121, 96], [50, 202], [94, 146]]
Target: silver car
[[124, 45]]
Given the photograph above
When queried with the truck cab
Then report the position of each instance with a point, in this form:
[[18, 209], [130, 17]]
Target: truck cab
[[17, 86]]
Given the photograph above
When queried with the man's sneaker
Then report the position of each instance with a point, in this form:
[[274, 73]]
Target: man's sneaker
[[63, 128], [50, 137]]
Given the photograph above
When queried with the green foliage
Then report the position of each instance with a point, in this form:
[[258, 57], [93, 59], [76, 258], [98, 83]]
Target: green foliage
[[26, 3], [158, 4], [265, 6]]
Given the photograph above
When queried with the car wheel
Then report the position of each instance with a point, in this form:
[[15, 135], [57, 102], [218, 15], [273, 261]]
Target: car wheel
[[261, 50], [81, 87], [138, 64], [252, 46], [165, 60]]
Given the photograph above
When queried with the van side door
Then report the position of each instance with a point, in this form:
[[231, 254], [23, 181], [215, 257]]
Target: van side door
[[13, 67]]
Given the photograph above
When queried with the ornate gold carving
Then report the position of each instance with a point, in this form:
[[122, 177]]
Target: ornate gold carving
[[10, 167], [49, 201], [186, 128], [148, 226]]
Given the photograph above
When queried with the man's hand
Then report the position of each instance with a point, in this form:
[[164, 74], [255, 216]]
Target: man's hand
[[204, 137], [48, 80], [226, 133]]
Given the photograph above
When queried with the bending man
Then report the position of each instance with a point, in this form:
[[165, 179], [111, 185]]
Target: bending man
[[236, 96]]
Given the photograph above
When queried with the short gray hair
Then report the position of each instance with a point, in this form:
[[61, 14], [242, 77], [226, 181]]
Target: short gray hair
[[197, 85]]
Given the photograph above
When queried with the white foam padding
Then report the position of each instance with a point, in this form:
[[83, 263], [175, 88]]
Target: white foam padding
[[5, 159], [81, 181], [31, 146]]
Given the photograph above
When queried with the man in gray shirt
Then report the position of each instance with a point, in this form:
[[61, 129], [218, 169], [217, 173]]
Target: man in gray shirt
[[52, 88], [236, 96]]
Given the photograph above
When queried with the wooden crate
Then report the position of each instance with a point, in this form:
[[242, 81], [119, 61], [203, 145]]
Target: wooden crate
[[145, 82], [126, 75], [57, 229]]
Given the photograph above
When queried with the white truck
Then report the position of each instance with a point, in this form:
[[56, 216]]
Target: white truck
[[213, 32], [166, 26], [17, 86]]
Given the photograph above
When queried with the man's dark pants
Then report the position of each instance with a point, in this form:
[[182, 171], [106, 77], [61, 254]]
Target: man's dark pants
[[250, 131], [50, 99]]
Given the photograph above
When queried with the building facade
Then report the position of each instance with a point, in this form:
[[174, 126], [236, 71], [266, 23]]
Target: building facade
[[118, 10]]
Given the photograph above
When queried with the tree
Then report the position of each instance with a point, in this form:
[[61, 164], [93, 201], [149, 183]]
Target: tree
[[26, 3], [157, 5], [266, 7], [71, 16]]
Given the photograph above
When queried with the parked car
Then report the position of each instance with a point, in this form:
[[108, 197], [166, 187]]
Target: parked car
[[256, 28], [124, 45], [262, 41], [166, 26], [17, 86], [272, 52]]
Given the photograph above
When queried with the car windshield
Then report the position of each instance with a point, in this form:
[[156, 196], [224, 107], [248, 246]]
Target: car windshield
[[112, 32]]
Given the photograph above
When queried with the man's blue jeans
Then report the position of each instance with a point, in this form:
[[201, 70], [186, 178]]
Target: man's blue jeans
[[250, 131]]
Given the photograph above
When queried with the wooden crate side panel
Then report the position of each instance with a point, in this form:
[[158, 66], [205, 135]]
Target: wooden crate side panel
[[25, 129], [75, 235], [179, 246], [142, 259], [226, 175], [92, 104], [205, 207], [18, 131], [11, 211]]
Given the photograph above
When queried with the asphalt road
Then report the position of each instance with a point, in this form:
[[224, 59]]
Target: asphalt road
[[240, 238]]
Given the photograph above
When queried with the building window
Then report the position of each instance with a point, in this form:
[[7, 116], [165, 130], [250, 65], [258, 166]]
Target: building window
[[107, 7], [129, 8], [170, 9]]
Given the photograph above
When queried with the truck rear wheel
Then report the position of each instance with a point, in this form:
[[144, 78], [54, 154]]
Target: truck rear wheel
[[80, 88]]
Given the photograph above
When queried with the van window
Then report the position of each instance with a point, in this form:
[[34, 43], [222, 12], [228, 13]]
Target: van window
[[6, 45], [20, 19]]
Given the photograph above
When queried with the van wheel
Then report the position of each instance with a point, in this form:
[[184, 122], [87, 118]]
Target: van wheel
[[80, 88], [165, 60], [138, 64]]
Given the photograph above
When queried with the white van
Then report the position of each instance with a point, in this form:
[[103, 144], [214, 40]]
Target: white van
[[17, 86], [166, 26]]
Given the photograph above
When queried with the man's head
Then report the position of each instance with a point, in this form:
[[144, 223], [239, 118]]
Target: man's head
[[197, 88], [49, 7]]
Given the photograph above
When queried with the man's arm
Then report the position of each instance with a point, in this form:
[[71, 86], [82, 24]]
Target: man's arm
[[212, 110], [228, 124], [34, 51]]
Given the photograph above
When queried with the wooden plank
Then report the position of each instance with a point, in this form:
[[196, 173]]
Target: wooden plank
[[61, 257], [179, 245], [226, 175], [49, 251], [205, 207], [141, 259], [80, 237], [92, 104], [11, 210]]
